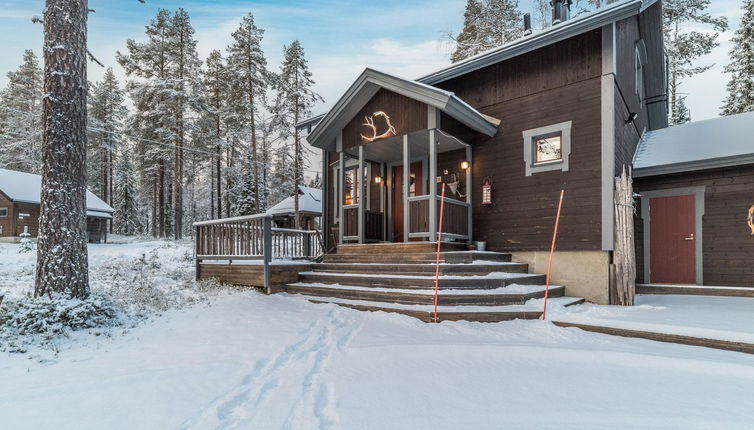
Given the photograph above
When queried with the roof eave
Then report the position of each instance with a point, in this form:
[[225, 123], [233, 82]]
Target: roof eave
[[691, 166]]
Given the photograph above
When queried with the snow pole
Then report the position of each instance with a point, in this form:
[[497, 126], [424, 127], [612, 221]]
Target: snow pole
[[552, 251], [439, 241]]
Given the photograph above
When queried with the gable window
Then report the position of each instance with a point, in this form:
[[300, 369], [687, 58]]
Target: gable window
[[547, 148], [3, 212], [640, 60]]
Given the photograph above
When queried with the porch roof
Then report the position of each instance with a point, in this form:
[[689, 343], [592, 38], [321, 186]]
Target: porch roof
[[367, 85], [391, 149]]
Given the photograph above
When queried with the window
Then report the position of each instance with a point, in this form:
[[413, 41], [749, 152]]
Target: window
[[640, 60], [547, 148], [3, 212], [351, 187]]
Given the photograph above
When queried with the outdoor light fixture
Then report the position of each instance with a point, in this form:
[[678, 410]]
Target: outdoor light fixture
[[378, 179], [465, 164], [632, 117]]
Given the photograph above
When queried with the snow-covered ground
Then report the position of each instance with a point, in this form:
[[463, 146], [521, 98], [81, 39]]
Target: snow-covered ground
[[249, 361], [723, 318]]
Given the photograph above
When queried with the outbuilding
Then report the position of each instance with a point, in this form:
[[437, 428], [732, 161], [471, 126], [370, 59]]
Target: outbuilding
[[19, 207]]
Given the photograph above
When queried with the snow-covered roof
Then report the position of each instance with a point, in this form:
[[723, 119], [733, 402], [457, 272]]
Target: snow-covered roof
[[713, 143], [310, 200], [579, 24], [24, 187]]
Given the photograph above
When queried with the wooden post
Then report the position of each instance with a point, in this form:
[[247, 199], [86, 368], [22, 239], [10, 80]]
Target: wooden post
[[341, 197], [267, 252], [197, 243], [469, 193], [432, 187], [361, 179], [624, 256], [406, 188]]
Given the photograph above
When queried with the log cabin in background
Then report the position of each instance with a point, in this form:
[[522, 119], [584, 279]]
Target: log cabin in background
[[19, 207]]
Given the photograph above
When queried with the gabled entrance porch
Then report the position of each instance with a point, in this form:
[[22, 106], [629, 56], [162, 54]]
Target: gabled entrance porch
[[380, 200]]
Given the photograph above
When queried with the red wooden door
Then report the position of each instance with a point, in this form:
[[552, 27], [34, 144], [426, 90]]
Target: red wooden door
[[415, 189], [672, 249]]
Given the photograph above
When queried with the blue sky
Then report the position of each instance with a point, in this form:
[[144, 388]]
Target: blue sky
[[340, 37]]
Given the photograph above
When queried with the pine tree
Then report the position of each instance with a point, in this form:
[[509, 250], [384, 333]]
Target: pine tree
[[21, 117], [741, 68], [249, 80], [106, 112], [682, 113], [685, 47], [295, 99], [487, 24], [149, 65], [126, 217], [216, 93], [62, 265]]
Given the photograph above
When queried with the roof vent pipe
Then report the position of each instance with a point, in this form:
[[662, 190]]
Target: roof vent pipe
[[527, 24]]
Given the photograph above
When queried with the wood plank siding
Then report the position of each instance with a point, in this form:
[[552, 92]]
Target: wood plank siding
[[7, 223], [406, 115], [554, 84], [728, 244]]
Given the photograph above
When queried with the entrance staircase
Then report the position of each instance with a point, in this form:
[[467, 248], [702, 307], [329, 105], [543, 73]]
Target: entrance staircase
[[400, 278]]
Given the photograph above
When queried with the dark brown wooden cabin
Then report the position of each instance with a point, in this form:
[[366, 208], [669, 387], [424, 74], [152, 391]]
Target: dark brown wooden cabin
[[19, 207], [505, 131]]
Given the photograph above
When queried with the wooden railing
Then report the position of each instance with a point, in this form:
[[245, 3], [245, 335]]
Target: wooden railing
[[455, 223], [373, 222], [418, 221], [253, 238]]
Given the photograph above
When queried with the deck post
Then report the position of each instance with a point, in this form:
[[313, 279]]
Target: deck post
[[362, 193], [341, 196], [406, 188], [267, 252], [469, 188], [432, 187]]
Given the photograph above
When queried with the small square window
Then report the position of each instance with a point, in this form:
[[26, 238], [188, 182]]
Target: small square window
[[3, 212], [548, 148]]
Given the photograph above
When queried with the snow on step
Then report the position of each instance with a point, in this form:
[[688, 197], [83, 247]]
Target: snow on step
[[492, 275], [533, 305], [512, 289]]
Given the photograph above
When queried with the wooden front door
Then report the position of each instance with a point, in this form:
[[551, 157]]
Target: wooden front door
[[672, 249], [415, 189]]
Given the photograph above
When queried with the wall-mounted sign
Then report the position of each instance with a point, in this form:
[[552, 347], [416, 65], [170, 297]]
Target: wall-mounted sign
[[376, 122], [751, 219]]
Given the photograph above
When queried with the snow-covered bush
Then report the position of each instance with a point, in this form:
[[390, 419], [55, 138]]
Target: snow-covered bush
[[40, 320], [27, 245]]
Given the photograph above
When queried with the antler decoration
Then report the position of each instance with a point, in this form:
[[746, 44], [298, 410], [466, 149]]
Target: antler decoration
[[390, 132], [751, 219]]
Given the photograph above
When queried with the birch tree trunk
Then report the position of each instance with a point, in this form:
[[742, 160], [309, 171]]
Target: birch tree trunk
[[62, 265], [624, 255]]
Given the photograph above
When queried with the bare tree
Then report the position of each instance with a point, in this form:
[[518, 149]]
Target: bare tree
[[62, 254]]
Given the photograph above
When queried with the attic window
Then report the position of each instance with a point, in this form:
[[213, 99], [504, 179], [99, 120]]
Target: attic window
[[640, 60], [3, 212], [547, 148]]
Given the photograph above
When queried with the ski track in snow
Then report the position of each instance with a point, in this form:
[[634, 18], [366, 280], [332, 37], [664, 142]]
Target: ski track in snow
[[314, 407]]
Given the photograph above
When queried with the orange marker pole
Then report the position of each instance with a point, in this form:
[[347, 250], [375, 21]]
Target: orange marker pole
[[552, 251], [439, 241]]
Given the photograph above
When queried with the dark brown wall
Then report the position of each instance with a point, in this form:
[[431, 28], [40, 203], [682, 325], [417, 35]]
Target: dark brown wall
[[551, 85], [31, 221], [728, 245], [7, 223], [406, 115]]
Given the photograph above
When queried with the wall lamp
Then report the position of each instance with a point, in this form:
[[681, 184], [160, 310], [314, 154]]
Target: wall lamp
[[632, 117], [465, 164], [378, 179]]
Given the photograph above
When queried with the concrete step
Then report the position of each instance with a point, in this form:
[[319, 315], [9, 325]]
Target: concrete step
[[422, 268], [410, 247], [530, 310], [511, 295], [451, 257], [492, 280]]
